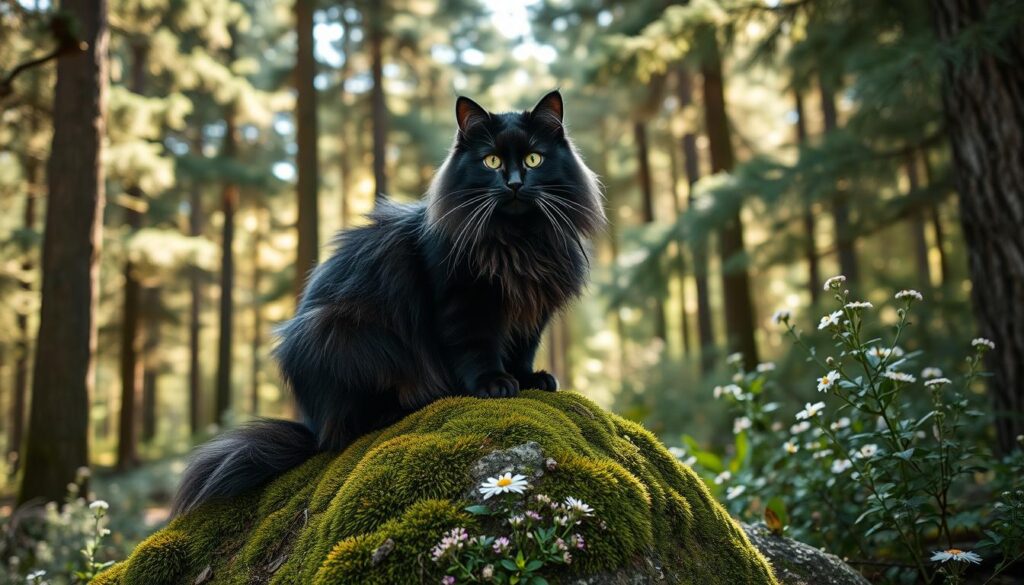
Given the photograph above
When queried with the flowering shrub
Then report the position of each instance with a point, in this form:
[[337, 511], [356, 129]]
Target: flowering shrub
[[56, 544], [540, 532], [886, 467]]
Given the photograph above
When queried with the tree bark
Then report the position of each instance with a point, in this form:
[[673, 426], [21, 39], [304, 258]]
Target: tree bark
[[691, 165], [195, 229], [23, 348], [131, 337], [257, 315], [680, 256], [647, 216], [984, 104], [151, 363], [739, 308], [810, 248], [845, 242], [924, 271], [308, 173], [58, 434], [229, 205], [377, 101]]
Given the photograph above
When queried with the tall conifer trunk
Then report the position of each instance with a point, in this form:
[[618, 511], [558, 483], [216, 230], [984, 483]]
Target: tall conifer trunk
[[229, 205], [305, 72], [195, 229], [924, 272], [58, 434], [814, 279], [691, 164], [739, 308], [845, 243], [647, 214], [984, 104], [378, 104]]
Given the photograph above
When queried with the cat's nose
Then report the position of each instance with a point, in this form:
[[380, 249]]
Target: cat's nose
[[514, 182]]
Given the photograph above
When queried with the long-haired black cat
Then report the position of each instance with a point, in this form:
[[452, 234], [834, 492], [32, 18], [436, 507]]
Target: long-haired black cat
[[441, 298]]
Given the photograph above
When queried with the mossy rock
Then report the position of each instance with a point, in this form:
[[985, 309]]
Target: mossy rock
[[372, 513]]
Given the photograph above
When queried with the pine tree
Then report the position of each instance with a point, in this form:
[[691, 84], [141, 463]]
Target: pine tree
[[308, 168], [58, 438]]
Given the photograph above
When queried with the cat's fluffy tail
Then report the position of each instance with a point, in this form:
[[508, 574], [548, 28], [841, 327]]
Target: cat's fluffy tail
[[242, 459]]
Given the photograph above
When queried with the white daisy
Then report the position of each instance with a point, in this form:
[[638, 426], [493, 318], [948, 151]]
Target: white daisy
[[909, 294], [867, 451], [856, 305], [981, 341], [734, 492], [955, 554], [825, 382], [734, 358], [790, 446], [799, 427], [578, 506], [840, 424], [830, 320], [835, 282], [741, 424], [841, 465], [879, 352], [810, 410], [765, 367], [781, 316], [723, 477], [503, 484], [99, 505], [931, 373], [899, 376], [937, 382]]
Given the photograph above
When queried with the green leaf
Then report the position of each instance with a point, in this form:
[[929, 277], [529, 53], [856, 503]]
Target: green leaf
[[478, 510], [508, 564], [540, 581], [534, 565]]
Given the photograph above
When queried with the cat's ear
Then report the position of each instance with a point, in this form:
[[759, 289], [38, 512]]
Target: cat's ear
[[548, 110], [468, 113]]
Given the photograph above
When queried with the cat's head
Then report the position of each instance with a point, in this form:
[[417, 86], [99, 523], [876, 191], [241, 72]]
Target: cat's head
[[513, 172]]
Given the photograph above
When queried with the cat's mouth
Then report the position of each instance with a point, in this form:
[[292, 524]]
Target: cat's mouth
[[515, 206]]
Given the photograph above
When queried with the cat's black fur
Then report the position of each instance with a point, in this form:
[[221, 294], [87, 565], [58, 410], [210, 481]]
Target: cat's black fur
[[440, 298]]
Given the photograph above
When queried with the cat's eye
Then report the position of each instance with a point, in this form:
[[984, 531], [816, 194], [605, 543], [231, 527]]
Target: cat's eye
[[492, 161], [533, 160]]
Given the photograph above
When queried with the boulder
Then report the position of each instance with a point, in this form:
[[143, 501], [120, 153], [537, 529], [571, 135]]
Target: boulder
[[796, 563], [372, 513]]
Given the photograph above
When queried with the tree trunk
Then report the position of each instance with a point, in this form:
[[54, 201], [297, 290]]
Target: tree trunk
[[647, 216], [680, 256], [810, 248], [229, 205], [691, 164], [344, 163], [924, 272], [984, 103], [377, 101], [739, 307], [22, 351], [58, 434], [131, 338], [257, 316], [195, 229], [305, 71], [845, 243], [936, 219], [151, 361]]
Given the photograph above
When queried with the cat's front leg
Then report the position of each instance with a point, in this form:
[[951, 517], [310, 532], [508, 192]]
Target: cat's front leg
[[472, 335], [519, 362]]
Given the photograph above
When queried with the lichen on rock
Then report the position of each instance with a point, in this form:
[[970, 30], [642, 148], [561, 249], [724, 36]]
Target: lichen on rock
[[372, 513]]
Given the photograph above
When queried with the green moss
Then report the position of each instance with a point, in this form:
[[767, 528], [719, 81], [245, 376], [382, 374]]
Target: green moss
[[402, 487]]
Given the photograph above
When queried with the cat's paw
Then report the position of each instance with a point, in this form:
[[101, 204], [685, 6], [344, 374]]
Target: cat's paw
[[539, 380], [496, 385]]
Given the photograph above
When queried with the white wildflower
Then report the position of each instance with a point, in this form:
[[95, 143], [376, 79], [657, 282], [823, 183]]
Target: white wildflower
[[790, 446], [981, 341], [765, 367], [841, 465], [955, 554], [830, 320], [799, 427], [810, 410], [867, 451], [842, 423], [493, 486], [741, 424], [734, 358], [835, 282], [931, 373], [723, 477], [937, 382], [825, 382], [899, 376], [781, 316], [735, 491], [909, 294], [857, 305]]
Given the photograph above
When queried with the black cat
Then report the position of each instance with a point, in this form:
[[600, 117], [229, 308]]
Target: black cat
[[440, 298]]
